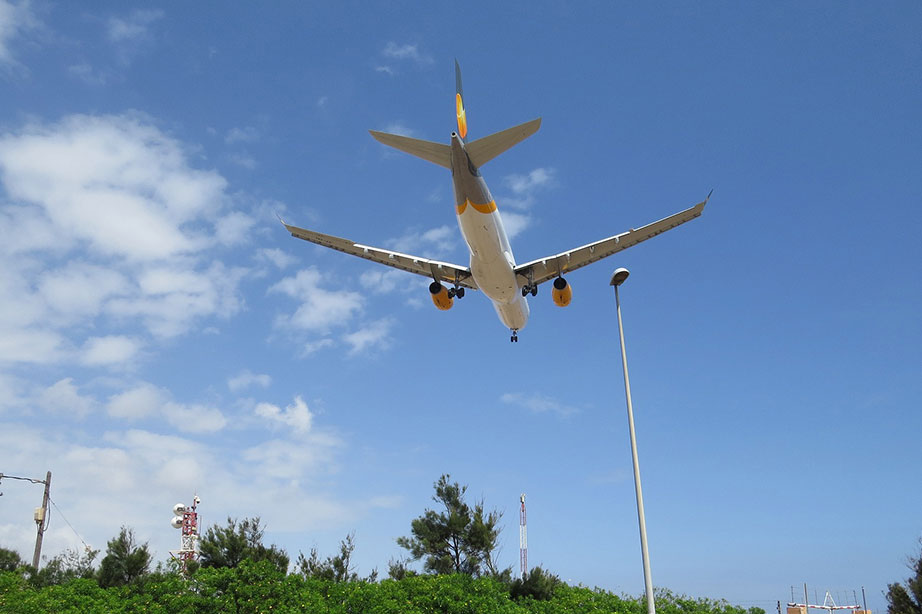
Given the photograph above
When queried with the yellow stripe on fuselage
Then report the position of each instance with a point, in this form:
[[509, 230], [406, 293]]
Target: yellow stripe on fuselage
[[490, 207]]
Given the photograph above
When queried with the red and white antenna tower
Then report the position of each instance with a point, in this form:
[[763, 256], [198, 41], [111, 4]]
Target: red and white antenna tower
[[186, 518], [523, 539]]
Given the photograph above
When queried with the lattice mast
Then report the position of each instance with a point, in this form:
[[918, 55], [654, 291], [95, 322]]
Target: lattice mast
[[523, 539], [186, 518]]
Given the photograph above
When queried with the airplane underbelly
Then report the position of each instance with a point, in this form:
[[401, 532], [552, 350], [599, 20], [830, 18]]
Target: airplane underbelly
[[514, 314], [482, 235]]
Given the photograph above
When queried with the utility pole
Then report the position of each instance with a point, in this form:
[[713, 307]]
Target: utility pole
[[41, 513]]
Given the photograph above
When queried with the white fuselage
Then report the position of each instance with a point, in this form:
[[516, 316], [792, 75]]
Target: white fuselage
[[492, 262]]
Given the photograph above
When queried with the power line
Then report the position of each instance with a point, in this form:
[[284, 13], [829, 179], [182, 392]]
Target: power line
[[85, 545]]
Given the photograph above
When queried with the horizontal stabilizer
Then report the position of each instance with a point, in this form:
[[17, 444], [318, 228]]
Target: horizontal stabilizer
[[427, 150], [483, 150]]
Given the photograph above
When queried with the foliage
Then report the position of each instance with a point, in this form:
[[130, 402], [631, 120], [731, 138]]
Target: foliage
[[10, 560], [907, 599], [334, 568], [65, 567], [460, 539], [259, 587], [230, 545], [125, 561], [537, 584]]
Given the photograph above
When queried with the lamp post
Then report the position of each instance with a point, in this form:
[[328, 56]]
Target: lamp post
[[617, 279]]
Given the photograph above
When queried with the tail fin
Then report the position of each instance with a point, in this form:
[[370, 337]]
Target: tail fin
[[459, 103], [427, 150], [480, 151]]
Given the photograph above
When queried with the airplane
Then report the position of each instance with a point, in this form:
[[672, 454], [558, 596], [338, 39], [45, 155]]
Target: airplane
[[492, 268]]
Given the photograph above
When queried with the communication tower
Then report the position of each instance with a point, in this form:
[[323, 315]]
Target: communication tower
[[523, 539], [185, 517]]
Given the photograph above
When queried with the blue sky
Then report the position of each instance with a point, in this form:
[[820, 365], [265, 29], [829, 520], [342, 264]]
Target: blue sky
[[161, 334]]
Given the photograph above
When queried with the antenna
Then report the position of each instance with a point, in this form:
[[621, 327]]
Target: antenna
[[186, 518], [523, 539]]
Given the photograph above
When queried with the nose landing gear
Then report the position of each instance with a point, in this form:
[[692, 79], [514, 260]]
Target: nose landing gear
[[515, 336]]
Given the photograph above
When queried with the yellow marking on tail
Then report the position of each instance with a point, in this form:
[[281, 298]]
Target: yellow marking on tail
[[462, 116]]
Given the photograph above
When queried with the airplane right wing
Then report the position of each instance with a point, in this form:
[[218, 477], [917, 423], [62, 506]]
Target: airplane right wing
[[544, 269], [433, 269]]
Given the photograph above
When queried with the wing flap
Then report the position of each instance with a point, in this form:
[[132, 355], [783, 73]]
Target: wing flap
[[544, 269], [444, 271]]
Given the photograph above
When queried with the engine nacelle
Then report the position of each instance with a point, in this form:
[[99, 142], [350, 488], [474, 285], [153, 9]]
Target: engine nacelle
[[561, 292], [440, 298]]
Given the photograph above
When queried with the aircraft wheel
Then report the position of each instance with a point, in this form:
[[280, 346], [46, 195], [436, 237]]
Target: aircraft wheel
[[524, 290], [460, 293], [534, 291]]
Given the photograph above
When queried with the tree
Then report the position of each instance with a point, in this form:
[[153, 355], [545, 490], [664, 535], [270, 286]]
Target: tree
[[334, 568], [230, 545], [907, 599], [65, 567], [125, 561], [460, 539], [10, 560], [537, 584]]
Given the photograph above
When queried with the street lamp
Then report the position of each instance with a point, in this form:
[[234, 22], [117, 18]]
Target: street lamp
[[617, 279]]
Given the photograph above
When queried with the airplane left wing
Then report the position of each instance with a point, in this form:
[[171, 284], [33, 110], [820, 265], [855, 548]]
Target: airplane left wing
[[433, 269], [544, 269]]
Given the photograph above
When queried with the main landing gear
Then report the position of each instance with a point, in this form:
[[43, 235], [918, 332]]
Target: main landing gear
[[515, 336], [530, 289], [457, 291]]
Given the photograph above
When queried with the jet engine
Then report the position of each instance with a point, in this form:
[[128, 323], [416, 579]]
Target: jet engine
[[561, 292], [440, 296]]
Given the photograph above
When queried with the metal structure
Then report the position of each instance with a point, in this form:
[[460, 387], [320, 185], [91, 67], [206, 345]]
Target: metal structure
[[617, 279], [523, 539], [186, 518]]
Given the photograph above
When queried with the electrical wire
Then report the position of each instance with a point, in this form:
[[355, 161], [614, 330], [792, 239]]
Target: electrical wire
[[85, 545]]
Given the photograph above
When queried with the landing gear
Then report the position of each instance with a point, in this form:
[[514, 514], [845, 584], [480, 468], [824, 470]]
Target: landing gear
[[530, 289], [453, 292], [515, 336]]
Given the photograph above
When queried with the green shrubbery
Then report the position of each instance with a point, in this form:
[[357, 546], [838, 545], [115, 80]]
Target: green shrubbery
[[259, 587]]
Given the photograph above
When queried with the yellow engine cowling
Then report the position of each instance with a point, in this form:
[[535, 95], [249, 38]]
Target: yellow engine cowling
[[440, 298], [561, 292]]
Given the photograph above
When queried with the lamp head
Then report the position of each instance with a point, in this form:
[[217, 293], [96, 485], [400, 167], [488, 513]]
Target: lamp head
[[618, 277]]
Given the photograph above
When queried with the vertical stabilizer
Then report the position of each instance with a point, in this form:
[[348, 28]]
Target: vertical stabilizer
[[459, 103]]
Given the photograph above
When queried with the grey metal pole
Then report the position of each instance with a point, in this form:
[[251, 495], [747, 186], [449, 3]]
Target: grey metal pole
[[617, 279]]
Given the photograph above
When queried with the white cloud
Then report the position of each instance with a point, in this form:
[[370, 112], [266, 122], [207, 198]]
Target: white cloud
[[63, 397], [139, 402], [194, 418], [15, 19], [276, 256], [135, 27], [539, 404], [383, 281], [320, 309], [297, 416], [406, 52], [247, 134], [246, 378], [376, 334], [515, 222], [435, 241], [31, 346], [79, 290], [523, 185], [85, 72], [116, 183], [399, 128], [145, 400], [109, 350], [171, 298], [233, 228]]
